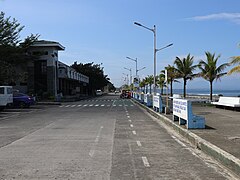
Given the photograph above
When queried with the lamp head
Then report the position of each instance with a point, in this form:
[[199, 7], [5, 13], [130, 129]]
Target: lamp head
[[138, 24]]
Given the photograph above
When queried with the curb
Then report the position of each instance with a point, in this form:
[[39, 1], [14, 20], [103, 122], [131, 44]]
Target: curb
[[225, 158]]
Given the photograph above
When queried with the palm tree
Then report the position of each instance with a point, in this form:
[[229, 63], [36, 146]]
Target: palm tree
[[236, 69], [161, 81], [149, 81], [142, 84], [184, 69], [172, 75], [210, 71]]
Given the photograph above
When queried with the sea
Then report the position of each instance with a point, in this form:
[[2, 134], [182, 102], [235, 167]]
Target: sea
[[228, 93]]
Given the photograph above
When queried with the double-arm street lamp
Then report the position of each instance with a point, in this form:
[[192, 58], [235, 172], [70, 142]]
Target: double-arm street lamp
[[126, 78], [130, 70], [155, 50], [135, 62]]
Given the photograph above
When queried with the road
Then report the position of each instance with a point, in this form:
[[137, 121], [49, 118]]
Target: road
[[101, 138]]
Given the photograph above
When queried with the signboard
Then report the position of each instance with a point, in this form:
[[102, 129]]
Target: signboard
[[180, 108], [136, 82], [156, 102]]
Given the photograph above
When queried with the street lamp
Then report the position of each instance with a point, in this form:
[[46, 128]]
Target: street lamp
[[155, 50], [154, 53], [127, 77], [136, 63], [130, 70], [141, 69]]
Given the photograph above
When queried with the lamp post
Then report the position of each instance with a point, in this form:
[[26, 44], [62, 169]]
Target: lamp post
[[155, 50], [136, 63], [125, 78], [130, 70]]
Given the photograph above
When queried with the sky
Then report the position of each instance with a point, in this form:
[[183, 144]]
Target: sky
[[103, 32]]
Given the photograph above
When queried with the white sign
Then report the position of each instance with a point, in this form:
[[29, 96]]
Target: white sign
[[156, 101], [180, 108]]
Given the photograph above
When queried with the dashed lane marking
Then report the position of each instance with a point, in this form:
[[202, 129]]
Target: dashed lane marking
[[134, 132], [145, 161], [139, 143]]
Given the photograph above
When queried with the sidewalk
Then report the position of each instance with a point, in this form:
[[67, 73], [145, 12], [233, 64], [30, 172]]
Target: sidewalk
[[222, 128], [220, 139]]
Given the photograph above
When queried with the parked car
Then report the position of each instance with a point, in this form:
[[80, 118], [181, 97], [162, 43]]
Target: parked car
[[99, 93], [6, 96], [125, 94], [22, 100]]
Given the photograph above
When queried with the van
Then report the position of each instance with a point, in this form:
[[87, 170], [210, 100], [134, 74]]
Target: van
[[6, 96]]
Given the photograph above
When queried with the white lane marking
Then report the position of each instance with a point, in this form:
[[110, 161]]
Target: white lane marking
[[103, 105], [85, 105], [67, 105], [108, 105], [92, 150], [79, 105], [145, 161], [91, 105], [97, 105], [128, 116], [134, 132], [73, 105], [139, 143], [179, 142], [130, 120], [131, 125], [131, 104], [60, 106], [119, 105], [114, 105]]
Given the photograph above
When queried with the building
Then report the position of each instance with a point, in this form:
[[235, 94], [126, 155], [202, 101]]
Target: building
[[47, 76]]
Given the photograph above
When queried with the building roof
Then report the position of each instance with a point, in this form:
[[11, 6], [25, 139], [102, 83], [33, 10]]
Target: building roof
[[44, 43]]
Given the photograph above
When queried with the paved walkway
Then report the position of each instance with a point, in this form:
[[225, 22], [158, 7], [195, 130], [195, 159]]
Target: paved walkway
[[222, 128]]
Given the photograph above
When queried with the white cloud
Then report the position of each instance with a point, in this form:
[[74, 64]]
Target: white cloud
[[233, 17]]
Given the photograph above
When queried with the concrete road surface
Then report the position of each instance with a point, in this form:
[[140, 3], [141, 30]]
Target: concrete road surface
[[100, 138]]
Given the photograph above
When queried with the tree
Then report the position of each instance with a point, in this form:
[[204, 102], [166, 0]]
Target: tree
[[97, 79], [149, 81], [161, 81], [142, 84], [210, 71], [184, 69], [12, 52], [172, 76], [236, 69]]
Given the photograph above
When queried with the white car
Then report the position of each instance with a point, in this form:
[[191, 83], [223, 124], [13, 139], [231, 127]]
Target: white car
[[99, 93], [6, 96]]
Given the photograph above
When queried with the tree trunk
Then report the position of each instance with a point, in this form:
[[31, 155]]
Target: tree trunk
[[171, 86], [211, 90], [150, 89], [184, 88], [161, 90]]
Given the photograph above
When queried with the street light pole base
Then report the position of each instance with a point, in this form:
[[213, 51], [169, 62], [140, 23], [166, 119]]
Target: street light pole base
[[167, 110]]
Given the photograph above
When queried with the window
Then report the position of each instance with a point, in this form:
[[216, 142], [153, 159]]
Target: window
[[44, 67], [1, 90], [9, 90]]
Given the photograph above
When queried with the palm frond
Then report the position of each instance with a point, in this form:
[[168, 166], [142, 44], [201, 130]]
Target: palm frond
[[234, 70]]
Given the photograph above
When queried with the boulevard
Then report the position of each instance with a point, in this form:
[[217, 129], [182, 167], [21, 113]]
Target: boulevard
[[101, 138]]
